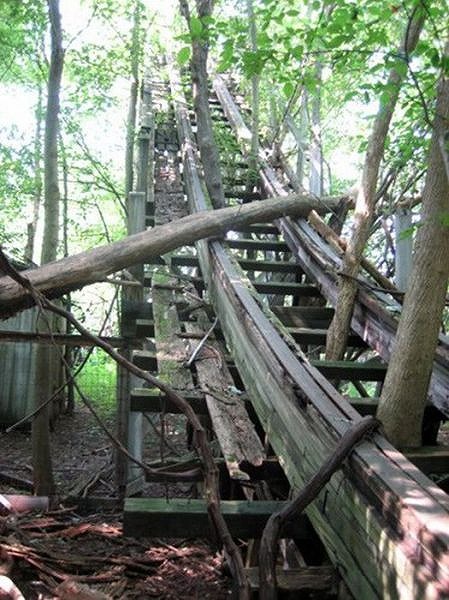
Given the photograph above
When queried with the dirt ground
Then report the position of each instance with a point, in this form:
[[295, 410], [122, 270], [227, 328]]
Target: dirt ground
[[66, 554]]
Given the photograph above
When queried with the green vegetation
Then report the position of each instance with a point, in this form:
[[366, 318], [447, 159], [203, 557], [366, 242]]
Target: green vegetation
[[98, 381]]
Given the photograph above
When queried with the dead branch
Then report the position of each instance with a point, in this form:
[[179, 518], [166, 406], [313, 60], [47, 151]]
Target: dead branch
[[73, 272], [270, 536]]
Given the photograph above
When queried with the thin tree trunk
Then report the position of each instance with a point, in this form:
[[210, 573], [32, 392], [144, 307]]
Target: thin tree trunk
[[68, 351], [253, 170], [37, 166], [366, 199], [404, 395], [42, 467], [316, 151], [205, 135], [132, 110]]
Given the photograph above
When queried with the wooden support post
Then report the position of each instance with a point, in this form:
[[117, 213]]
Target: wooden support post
[[130, 424]]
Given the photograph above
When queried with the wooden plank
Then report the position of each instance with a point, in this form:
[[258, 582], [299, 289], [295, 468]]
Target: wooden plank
[[262, 245], [64, 339], [288, 288], [145, 359], [305, 579], [259, 229], [171, 350], [235, 432], [347, 370], [304, 316], [275, 266], [429, 459], [150, 400], [187, 517], [316, 336]]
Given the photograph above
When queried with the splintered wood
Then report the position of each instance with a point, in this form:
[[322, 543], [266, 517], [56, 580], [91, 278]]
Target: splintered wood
[[234, 430]]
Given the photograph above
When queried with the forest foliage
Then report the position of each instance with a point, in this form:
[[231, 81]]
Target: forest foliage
[[353, 42]]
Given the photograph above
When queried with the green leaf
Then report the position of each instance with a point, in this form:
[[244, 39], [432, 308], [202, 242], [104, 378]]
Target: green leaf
[[288, 88], [184, 55], [196, 28]]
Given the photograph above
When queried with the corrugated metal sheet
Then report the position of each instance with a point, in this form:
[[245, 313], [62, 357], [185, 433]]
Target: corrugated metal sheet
[[17, 365]]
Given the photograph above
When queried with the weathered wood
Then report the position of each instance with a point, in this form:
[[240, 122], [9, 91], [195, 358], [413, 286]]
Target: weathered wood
[[275, 266], [288, 288], [129, 426], [58, 338], [187, 517], [349, 370], [79, 270], [306, 579], [258, 229], [317, 336], [147, 400], [429, 459], [317, 317], [379, 487], [353, 436], [262, 245], [171, 350], [235, 432]]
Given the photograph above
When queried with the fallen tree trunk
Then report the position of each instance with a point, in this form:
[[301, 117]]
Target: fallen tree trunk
[[73, 272]]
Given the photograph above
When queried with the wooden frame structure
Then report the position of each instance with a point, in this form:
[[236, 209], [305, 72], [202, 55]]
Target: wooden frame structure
[[385, 525]]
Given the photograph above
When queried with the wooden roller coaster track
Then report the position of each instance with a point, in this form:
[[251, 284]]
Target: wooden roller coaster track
[[382, 523]]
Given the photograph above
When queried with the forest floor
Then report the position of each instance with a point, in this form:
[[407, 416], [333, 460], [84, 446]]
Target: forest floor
[[68, 553]]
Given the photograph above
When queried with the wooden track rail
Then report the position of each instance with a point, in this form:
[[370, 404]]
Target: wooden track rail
[[375, 314], [383, 523]]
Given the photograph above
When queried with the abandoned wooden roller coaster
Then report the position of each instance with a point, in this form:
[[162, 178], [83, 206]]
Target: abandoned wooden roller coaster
[[379, 525], [236, 324]]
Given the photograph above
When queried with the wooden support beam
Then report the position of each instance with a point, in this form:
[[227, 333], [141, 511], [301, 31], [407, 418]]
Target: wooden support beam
[[318, 317], [61, 339], [347, 370], [274, 266], [187, 517], [149, 400], [429, 459], [317, 580], [315, 336], [288, 288], [262, 245], [258, 229]]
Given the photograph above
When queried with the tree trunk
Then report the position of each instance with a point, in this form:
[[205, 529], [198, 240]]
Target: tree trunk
[[37, 166], [404, 394], [94, 265], [46, 370], [253, 171], [366, 198], [316, 151], [132, 109], [205, 135]]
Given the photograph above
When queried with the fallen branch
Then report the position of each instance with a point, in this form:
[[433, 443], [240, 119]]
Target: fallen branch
[[59, 277], [268, 544]]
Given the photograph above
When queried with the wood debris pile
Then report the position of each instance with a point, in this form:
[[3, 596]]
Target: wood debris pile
[[64, 555]]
